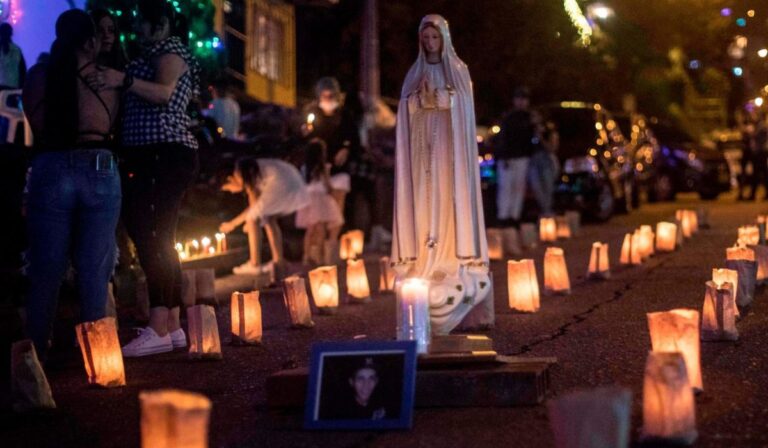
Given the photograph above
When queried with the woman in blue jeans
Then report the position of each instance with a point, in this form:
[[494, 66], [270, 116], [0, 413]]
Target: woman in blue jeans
[[159, 161], [74, 186]]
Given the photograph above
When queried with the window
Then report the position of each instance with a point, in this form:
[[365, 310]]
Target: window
[[268, 36]]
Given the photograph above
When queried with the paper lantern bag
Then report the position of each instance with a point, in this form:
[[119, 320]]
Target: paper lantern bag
[[761, 258], [357, 281], [747, 271], [245, 310], [556, 279], [668, 407], [203, 333], [599, 263], [598, 418], [297, 302], [29, 386], [324, 284], [101, 351], [718, 316], [678, 331], [174, 419], [522, 286]]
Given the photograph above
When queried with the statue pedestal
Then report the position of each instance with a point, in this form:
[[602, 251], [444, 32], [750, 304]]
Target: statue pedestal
[[447, 380]]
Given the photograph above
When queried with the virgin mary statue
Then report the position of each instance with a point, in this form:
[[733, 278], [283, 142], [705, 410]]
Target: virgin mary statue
[[439, 230]]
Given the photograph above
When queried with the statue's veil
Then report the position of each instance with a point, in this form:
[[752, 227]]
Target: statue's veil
[[470, 226]]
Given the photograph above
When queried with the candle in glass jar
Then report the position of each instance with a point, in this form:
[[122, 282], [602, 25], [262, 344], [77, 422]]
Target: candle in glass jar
[[413, 313]]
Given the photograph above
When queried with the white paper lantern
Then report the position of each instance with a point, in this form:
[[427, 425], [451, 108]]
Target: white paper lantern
[[669, 410], [523, 286], [678, 331], [556, 279], [599, 264]]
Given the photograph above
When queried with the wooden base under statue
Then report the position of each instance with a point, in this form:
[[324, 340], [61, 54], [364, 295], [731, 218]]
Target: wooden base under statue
[[459, 371]]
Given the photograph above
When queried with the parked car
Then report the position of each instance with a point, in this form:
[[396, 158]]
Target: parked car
[[597, 176], [669, 161]]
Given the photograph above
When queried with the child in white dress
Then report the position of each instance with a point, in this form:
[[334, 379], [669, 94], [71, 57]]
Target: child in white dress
[[321, 216]]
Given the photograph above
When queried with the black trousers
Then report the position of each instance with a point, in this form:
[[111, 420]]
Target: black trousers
[[155, 178]]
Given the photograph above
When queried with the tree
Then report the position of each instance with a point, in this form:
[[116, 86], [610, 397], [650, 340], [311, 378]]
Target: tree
[[204, 42]]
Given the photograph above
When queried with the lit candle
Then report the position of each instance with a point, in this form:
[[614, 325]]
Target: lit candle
[[522, 286], [599, 266], [206, 244], [357, 281], [646, 241], [413, 319], [742, 260], [630, 253], [324, 284], [310, 121], [666, 234], [678, 331], [221, 242], [718, 316], [684, 217], [722, 276], [669, 410], [556, 280], [196, 247], [749, 235], [547, 229]]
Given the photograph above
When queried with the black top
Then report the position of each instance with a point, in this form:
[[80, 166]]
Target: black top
[[517, 136], [338, 131], [350, 409]]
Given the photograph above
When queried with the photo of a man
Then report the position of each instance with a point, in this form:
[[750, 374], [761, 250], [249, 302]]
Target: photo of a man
[[363, 382], [361, 387]]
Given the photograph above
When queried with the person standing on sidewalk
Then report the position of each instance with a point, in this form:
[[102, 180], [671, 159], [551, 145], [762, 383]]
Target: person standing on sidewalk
[[516, 143], [759, 157], [74, 184], [159, 162]]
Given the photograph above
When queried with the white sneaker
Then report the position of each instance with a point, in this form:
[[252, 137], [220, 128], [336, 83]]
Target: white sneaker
[[178, 338], [148, 343], [247, 269]]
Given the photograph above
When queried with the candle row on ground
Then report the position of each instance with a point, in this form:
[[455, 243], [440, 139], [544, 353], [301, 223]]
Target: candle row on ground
[[511, 241], [194, 249], [673, 368]]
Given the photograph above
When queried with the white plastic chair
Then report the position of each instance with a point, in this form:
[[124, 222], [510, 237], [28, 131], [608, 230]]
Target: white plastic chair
[[15, 116]]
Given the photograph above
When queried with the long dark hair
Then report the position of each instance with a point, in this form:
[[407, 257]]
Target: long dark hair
[[156, 12], [315, 160], [73, 29], [6, 31], [250, 171], [116, 58]]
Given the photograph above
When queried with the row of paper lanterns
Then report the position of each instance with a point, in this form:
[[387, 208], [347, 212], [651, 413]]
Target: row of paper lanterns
[[189, 412], [522, 282], [673, 367]]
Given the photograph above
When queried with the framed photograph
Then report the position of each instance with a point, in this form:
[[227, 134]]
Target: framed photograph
[[361, 385]]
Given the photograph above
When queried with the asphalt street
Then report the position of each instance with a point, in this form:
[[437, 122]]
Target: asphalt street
[[598, 334]]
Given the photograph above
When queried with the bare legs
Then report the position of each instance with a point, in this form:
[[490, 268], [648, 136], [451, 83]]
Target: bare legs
[[340, 196], [274, 239], [163, 320]]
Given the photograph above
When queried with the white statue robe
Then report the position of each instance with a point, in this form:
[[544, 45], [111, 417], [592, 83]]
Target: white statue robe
[[439, 231]]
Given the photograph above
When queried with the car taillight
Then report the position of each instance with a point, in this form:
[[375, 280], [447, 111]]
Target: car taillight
[[580, 165]]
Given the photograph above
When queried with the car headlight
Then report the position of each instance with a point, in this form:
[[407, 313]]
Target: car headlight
[[586, 164]]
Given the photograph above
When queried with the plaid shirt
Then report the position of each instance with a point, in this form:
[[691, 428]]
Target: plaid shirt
[[145, 123]]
